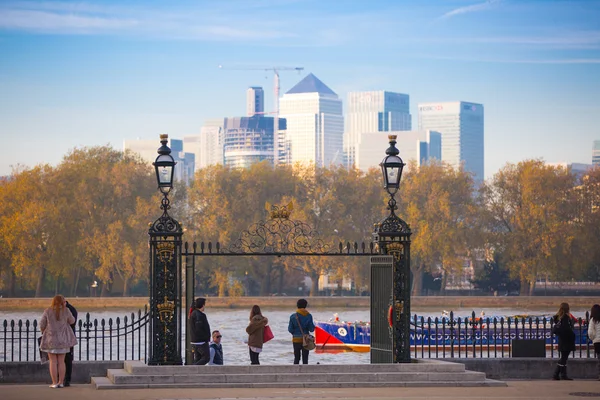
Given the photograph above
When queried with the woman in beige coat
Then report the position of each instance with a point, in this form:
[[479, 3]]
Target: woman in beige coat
[[255, 332], [57, 337]]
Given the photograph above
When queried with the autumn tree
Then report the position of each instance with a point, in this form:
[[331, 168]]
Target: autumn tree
[[438, 203], [529, 203]]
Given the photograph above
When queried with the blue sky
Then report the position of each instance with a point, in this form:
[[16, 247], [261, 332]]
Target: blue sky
[[86, 73]]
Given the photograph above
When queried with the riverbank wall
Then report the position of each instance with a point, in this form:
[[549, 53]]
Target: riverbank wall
[[275, 302]]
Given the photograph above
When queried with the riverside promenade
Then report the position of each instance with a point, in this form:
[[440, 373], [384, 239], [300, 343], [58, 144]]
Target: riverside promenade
[[539, 389], [334, 302]]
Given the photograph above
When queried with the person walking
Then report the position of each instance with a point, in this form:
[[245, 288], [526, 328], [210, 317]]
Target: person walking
[[563, 329], [594, 333], [216, 349], [301, 322], [57, 338], [70, 355], [200, 332], [255, 331]]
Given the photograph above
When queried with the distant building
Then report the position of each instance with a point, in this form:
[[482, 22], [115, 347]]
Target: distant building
[[147, 150], [596, 153], [249, 140], [192, 144], [374, 111], [211, 143], [462, 127], [419, 146], [578, 169], [255, 101], [315, 123]]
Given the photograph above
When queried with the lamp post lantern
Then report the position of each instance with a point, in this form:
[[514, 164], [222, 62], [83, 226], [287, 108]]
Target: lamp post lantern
[[390, 285], [165, 233]]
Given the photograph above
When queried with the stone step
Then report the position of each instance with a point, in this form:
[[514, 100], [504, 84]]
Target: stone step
[[103, 383], [139, 368], [122, 377], [136, 374]]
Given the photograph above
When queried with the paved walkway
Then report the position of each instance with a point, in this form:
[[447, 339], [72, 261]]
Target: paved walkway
[[546, 390]]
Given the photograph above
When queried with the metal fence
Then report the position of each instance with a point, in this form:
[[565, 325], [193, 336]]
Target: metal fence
[[119, 339], [490, 337], [440, 337]]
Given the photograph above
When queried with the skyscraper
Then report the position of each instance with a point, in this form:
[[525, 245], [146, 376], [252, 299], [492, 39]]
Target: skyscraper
[[248, 140], [146, 149], [211, 142], [315, 123], [462, 129], [376, 111], [596, 153], [255, 101]]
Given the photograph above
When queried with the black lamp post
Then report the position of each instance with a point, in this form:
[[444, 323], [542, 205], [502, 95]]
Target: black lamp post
[[390, 277], [165, 273]]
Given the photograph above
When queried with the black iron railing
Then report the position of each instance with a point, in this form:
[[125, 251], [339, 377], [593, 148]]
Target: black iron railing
[[105, 339], [489, 337], [440, 337]]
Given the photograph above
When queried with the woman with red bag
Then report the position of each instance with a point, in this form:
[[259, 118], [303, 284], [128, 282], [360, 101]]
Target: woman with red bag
[[255, 331]]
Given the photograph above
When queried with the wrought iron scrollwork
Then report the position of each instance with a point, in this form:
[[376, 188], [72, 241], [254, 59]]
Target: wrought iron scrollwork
[[165, 224], [280, 234], [393, 223]]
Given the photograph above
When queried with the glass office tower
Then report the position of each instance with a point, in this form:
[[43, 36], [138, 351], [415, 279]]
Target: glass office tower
[[462, 127], [370, 112]]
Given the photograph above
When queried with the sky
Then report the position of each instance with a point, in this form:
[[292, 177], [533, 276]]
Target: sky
[[75, 74]]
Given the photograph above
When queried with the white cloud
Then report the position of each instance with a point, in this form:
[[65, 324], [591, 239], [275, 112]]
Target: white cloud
[[469, 9], [507, 60], [47, 21]]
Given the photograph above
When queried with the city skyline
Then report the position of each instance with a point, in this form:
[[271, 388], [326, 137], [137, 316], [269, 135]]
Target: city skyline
[[84, 74]]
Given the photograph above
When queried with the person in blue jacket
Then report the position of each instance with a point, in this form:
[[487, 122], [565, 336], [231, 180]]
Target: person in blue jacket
[[300, 322]]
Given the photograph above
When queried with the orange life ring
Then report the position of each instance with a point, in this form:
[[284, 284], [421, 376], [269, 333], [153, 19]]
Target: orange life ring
[[391, 316]]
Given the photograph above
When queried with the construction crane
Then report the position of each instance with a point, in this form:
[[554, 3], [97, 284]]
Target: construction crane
[[276, 99]]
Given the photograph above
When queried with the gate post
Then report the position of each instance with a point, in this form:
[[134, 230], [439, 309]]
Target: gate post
[[165, 233], [392, 236]]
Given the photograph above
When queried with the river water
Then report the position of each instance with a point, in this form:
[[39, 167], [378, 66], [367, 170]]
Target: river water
[[232, 325]]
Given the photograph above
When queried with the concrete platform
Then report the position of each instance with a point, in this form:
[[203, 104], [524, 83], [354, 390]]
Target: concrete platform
[[424, 373]]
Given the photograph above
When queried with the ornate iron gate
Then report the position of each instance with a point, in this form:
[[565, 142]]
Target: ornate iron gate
[[282, 236], [382, 278]]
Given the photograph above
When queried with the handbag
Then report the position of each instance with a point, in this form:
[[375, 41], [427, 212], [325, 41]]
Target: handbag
[[308, 340], [267, 334]]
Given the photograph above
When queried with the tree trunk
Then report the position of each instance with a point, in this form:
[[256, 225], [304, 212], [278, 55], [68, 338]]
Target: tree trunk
[[418, 281], [56, 286], [265, 287], [222, 288], [12, 283], [281, 272], [314, 287], [524, 286], [126, 287], [444, 283], [76, 283], [104, 291], [531, 287], [39, 287]]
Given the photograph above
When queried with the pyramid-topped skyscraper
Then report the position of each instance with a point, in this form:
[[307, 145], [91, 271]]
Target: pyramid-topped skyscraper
[[315, 124], [311, 84]]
